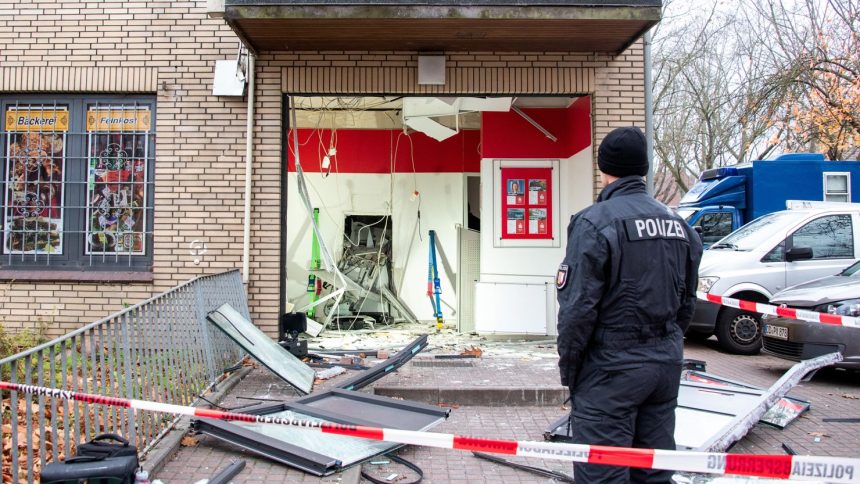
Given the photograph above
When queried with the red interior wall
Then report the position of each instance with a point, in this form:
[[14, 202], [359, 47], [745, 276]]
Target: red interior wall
[[502, 135], [369, 151], [509, 135]]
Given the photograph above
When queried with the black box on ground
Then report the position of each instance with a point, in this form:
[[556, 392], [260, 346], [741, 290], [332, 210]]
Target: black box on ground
[[292, 323]]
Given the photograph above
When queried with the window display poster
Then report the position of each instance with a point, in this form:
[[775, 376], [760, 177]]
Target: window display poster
[[117, 182], [526, 203], [537, 221], [516, 221], [516, 192], [35, 170], [537, 191]]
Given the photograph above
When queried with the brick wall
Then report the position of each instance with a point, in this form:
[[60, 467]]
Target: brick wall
[[200, 147], [169, 48], [619, 95]]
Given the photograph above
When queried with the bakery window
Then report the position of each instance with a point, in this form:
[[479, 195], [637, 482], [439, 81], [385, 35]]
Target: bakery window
[[77, 183]]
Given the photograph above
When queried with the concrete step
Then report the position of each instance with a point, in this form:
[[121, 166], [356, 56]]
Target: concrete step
[[484, 396]]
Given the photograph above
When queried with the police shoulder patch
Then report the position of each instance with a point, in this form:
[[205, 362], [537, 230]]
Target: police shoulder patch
[[561, 277]]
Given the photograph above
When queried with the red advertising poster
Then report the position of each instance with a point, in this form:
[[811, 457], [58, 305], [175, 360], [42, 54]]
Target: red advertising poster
[[526, 207]]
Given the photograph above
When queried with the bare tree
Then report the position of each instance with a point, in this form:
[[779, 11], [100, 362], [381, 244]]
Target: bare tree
[[713, 101], [739, 84], [816, 48]]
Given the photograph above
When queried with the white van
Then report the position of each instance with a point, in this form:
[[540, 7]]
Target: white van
[[772, 252]]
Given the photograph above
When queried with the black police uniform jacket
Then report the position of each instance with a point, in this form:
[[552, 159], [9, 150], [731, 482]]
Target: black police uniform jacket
[[627, 286]]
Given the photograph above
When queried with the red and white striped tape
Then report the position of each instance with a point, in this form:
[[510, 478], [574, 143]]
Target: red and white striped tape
[[830, 469], [770, 309]]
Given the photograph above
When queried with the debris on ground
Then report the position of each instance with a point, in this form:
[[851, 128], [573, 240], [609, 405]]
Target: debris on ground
[[474, 351], [189, 441], [447, 341], [330, 373]]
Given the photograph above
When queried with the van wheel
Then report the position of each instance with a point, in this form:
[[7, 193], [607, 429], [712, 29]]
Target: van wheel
[[739, 332]]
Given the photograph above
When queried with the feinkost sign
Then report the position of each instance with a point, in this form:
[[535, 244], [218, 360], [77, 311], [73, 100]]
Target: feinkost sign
[[119, 120]]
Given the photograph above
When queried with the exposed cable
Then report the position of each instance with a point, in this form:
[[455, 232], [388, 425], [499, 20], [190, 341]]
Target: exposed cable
[[399, 460], [327, 113]]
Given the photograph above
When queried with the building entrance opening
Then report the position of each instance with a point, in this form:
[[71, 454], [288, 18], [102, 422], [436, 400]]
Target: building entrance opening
[[381, 172]]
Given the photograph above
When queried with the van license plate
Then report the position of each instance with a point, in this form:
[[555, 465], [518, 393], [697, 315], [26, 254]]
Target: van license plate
[[778, 332]]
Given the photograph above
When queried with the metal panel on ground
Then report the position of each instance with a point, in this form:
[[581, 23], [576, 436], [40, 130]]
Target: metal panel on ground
[[703, 411], [713, 416], [785, 411], [372, 410], [262, 348], [323, 454], [269, 447], [381, 369]]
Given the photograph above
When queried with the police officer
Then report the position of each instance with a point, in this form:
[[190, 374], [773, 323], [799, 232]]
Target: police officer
[[626, 292]]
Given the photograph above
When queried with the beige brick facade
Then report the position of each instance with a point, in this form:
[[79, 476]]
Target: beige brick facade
[[168, 49]]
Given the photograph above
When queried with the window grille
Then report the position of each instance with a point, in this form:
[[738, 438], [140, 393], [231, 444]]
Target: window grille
[[77, 183]]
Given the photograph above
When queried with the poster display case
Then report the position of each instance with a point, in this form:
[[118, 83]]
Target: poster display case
[[527, 203]]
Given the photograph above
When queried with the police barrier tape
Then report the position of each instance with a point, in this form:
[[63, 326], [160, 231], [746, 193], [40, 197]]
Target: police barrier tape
[[831, 469], [770, 309]]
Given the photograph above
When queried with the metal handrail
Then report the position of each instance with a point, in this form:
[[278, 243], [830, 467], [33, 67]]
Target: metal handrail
[[161, 349], [86, 328]]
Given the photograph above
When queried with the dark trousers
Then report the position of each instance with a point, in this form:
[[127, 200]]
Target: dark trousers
[[633, 406]]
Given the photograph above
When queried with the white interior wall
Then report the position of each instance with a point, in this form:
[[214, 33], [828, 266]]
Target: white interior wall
[[347, 194], [535, 265]]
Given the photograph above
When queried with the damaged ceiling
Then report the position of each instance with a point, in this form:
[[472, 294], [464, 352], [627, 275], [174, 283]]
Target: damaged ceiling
[[431, 115]]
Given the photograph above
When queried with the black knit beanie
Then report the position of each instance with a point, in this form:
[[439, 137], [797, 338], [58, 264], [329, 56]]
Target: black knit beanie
[[623, 153]]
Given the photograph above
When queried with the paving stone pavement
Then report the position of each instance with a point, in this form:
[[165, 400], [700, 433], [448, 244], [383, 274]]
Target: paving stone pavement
[[534, 365]]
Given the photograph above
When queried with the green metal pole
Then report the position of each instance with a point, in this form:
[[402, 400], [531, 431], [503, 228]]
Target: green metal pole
[[313, 282]]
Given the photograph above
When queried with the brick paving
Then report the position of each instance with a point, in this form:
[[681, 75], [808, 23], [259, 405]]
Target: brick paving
[[830, 392]]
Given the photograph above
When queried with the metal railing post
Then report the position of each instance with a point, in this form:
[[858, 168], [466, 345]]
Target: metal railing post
[[128, 355], [204, 331]]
